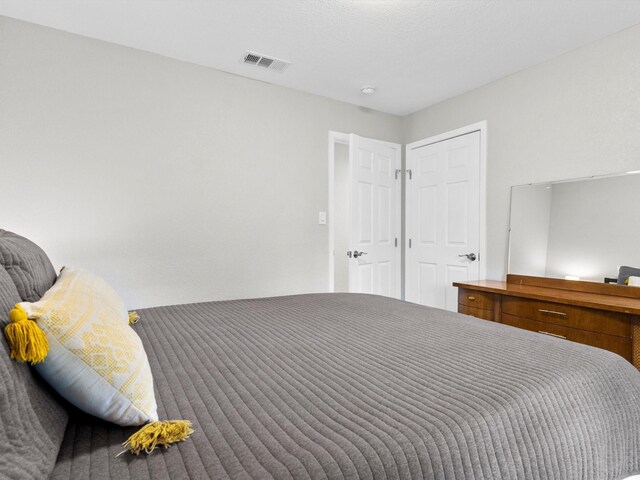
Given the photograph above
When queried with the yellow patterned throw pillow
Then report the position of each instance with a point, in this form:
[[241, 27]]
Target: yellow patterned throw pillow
[[95, 359]]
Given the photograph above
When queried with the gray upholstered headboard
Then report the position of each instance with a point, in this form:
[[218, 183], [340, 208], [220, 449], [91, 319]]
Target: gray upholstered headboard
[[32, 418]]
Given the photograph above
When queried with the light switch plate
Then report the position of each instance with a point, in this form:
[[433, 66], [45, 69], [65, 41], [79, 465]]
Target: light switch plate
[[322, 218]]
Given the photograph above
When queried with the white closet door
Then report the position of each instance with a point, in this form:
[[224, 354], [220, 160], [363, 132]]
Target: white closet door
[[443, 219], [374, 217]]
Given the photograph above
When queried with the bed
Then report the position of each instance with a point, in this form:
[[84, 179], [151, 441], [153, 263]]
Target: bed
[[344, 386]]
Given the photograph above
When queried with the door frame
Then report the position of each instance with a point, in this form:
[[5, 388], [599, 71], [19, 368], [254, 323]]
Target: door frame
[[458, 132], [334, 138], [344, 139]]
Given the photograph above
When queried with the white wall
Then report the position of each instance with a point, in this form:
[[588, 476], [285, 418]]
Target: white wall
[[594, 228], [529, 235], [574, 116], [175, 182], [180, 183]]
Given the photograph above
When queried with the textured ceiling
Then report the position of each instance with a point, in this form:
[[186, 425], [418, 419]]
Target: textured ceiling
[[416, 53]]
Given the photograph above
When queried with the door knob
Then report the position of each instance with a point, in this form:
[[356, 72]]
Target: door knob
[[357, 254], [470, 256]]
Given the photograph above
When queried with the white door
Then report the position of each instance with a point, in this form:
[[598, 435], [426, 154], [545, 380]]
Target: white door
[[443, 219], [374, 217]]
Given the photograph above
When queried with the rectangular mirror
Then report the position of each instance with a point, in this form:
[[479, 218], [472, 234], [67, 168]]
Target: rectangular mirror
[[581, 229]]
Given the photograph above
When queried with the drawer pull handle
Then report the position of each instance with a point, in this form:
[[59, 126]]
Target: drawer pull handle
[[552, 334], [551, 312], [471, 298]]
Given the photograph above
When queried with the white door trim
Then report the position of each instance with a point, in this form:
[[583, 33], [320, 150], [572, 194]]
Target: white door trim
[[476, 127], [334, 138]]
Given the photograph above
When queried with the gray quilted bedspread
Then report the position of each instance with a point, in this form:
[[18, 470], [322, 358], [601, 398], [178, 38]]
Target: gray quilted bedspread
[[357, 386]]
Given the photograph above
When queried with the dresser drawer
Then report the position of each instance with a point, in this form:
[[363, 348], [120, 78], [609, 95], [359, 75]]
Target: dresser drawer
[[476, 312], [475, 299], [520, 322], [610, 323], [619, 345]]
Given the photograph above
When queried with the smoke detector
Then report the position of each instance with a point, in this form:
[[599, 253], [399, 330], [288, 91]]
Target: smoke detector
[[368, 90], [264, 61]]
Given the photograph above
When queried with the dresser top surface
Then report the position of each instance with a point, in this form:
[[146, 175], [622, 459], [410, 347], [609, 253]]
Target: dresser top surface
[[599, 301]]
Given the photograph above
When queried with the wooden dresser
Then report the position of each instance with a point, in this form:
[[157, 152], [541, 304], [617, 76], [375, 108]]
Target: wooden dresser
[[602, 315]]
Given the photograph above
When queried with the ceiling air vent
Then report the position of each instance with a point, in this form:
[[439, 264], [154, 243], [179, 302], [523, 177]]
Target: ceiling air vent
[[268, 63]]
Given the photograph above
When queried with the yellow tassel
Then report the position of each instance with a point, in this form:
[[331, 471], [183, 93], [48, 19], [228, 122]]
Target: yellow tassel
[[133, 318], [156, 434], [27, 341]]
